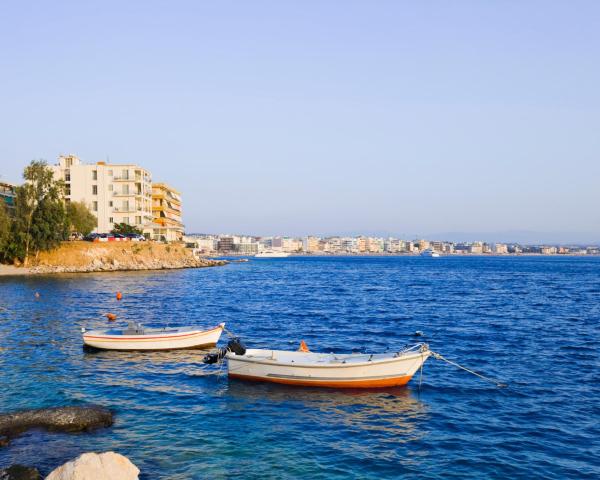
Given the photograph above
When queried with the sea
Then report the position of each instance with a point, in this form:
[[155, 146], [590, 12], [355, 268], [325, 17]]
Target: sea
[[530, 322]]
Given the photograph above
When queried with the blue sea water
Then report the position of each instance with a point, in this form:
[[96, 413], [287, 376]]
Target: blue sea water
[[532, 322]]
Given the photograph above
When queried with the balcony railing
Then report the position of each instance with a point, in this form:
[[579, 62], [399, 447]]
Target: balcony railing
[[125, 209]]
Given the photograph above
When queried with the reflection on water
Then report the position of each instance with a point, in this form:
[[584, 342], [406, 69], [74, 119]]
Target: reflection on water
[[393, 410]]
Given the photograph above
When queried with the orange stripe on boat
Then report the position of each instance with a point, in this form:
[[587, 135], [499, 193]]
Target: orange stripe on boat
[[375, 383]]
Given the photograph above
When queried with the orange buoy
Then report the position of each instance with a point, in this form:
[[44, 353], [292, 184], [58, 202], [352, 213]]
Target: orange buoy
[[111, 317], [303, 347], [119, 295]]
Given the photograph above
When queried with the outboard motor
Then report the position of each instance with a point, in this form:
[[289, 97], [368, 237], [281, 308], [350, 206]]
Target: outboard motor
[[234, 345]]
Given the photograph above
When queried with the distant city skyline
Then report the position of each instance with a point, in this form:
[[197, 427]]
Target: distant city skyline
[[326, 118]]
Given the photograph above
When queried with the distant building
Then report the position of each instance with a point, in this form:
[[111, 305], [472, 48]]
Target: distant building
[[500, 248], [437, 246], [476, 248], [166, 208], [311, 244], [225, 244], [291, 245], [349, 244], [205, 244], [246, 245], [7, 194], [114, 193], [422, 244]]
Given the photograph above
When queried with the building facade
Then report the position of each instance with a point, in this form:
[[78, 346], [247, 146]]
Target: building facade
[[114, 193], [7, 195], [166, 210]]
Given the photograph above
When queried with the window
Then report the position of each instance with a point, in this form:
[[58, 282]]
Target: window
[[67, 175], [94, 189], [95, 206], [110, 204], [94, 174], [126, 220], [110, 173], [125, 189], [110, 187], [138, 220], [111, 220], [125, 174]]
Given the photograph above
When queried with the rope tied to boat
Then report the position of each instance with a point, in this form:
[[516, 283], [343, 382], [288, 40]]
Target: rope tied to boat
[[499, 384]]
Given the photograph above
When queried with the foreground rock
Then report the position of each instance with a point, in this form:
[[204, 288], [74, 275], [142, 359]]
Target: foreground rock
[[96, 466], [62, 419], [20, 472]]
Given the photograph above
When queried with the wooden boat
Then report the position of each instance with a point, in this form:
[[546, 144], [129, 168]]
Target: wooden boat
[[328, 369], [136, 337]]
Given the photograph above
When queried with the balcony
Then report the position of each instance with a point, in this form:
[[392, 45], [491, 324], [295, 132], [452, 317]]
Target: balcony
[[118, 178], [129, 194], [125, 209]]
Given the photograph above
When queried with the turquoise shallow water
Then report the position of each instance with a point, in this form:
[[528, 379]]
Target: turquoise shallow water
[[533, 322]]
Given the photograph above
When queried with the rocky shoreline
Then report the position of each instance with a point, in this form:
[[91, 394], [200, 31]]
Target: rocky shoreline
[[70, 419], [113, 265], [88, 257]]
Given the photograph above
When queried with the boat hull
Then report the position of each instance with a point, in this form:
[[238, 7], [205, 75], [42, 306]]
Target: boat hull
[[190, 339], [378, 373]]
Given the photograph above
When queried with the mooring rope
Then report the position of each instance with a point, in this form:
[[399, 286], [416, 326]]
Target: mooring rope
[[499, 384], [231, 334]]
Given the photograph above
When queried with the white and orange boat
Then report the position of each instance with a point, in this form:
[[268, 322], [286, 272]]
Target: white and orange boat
[[136, 337], [305, 368]]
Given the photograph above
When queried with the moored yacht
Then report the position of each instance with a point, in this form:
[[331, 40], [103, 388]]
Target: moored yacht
[[272, 254], [430, 252]]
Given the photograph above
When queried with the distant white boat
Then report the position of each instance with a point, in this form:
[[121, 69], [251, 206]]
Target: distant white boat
[[429, 253], [271, 254], [136, 337]]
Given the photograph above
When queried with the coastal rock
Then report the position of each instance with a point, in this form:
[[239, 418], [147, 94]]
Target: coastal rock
[[96, 466], [63, 419], [4, 441], [20, 472]]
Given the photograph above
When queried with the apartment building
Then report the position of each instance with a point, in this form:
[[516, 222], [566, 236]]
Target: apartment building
[[311, 244], [115, 193], [7, 194], [166, 210]]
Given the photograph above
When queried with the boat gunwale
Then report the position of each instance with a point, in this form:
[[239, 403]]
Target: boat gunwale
[[410, 356], [91, 334]]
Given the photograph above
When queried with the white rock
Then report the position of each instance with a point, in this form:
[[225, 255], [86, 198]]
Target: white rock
[[96, 466]]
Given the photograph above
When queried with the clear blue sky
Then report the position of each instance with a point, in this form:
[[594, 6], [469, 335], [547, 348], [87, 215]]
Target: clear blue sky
[[323, 117]]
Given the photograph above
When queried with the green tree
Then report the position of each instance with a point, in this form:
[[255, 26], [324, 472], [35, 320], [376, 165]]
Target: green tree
[[80, 219], [125, 228], [40, 217], [5, 231]]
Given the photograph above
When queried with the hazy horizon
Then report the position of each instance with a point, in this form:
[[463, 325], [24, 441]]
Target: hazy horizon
[[291, 118]]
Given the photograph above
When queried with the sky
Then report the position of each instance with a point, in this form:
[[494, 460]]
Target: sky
[[325, 117]]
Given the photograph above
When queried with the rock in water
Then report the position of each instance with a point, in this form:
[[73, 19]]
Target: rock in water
[[20, 472], [62, 419], [96, 466]]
